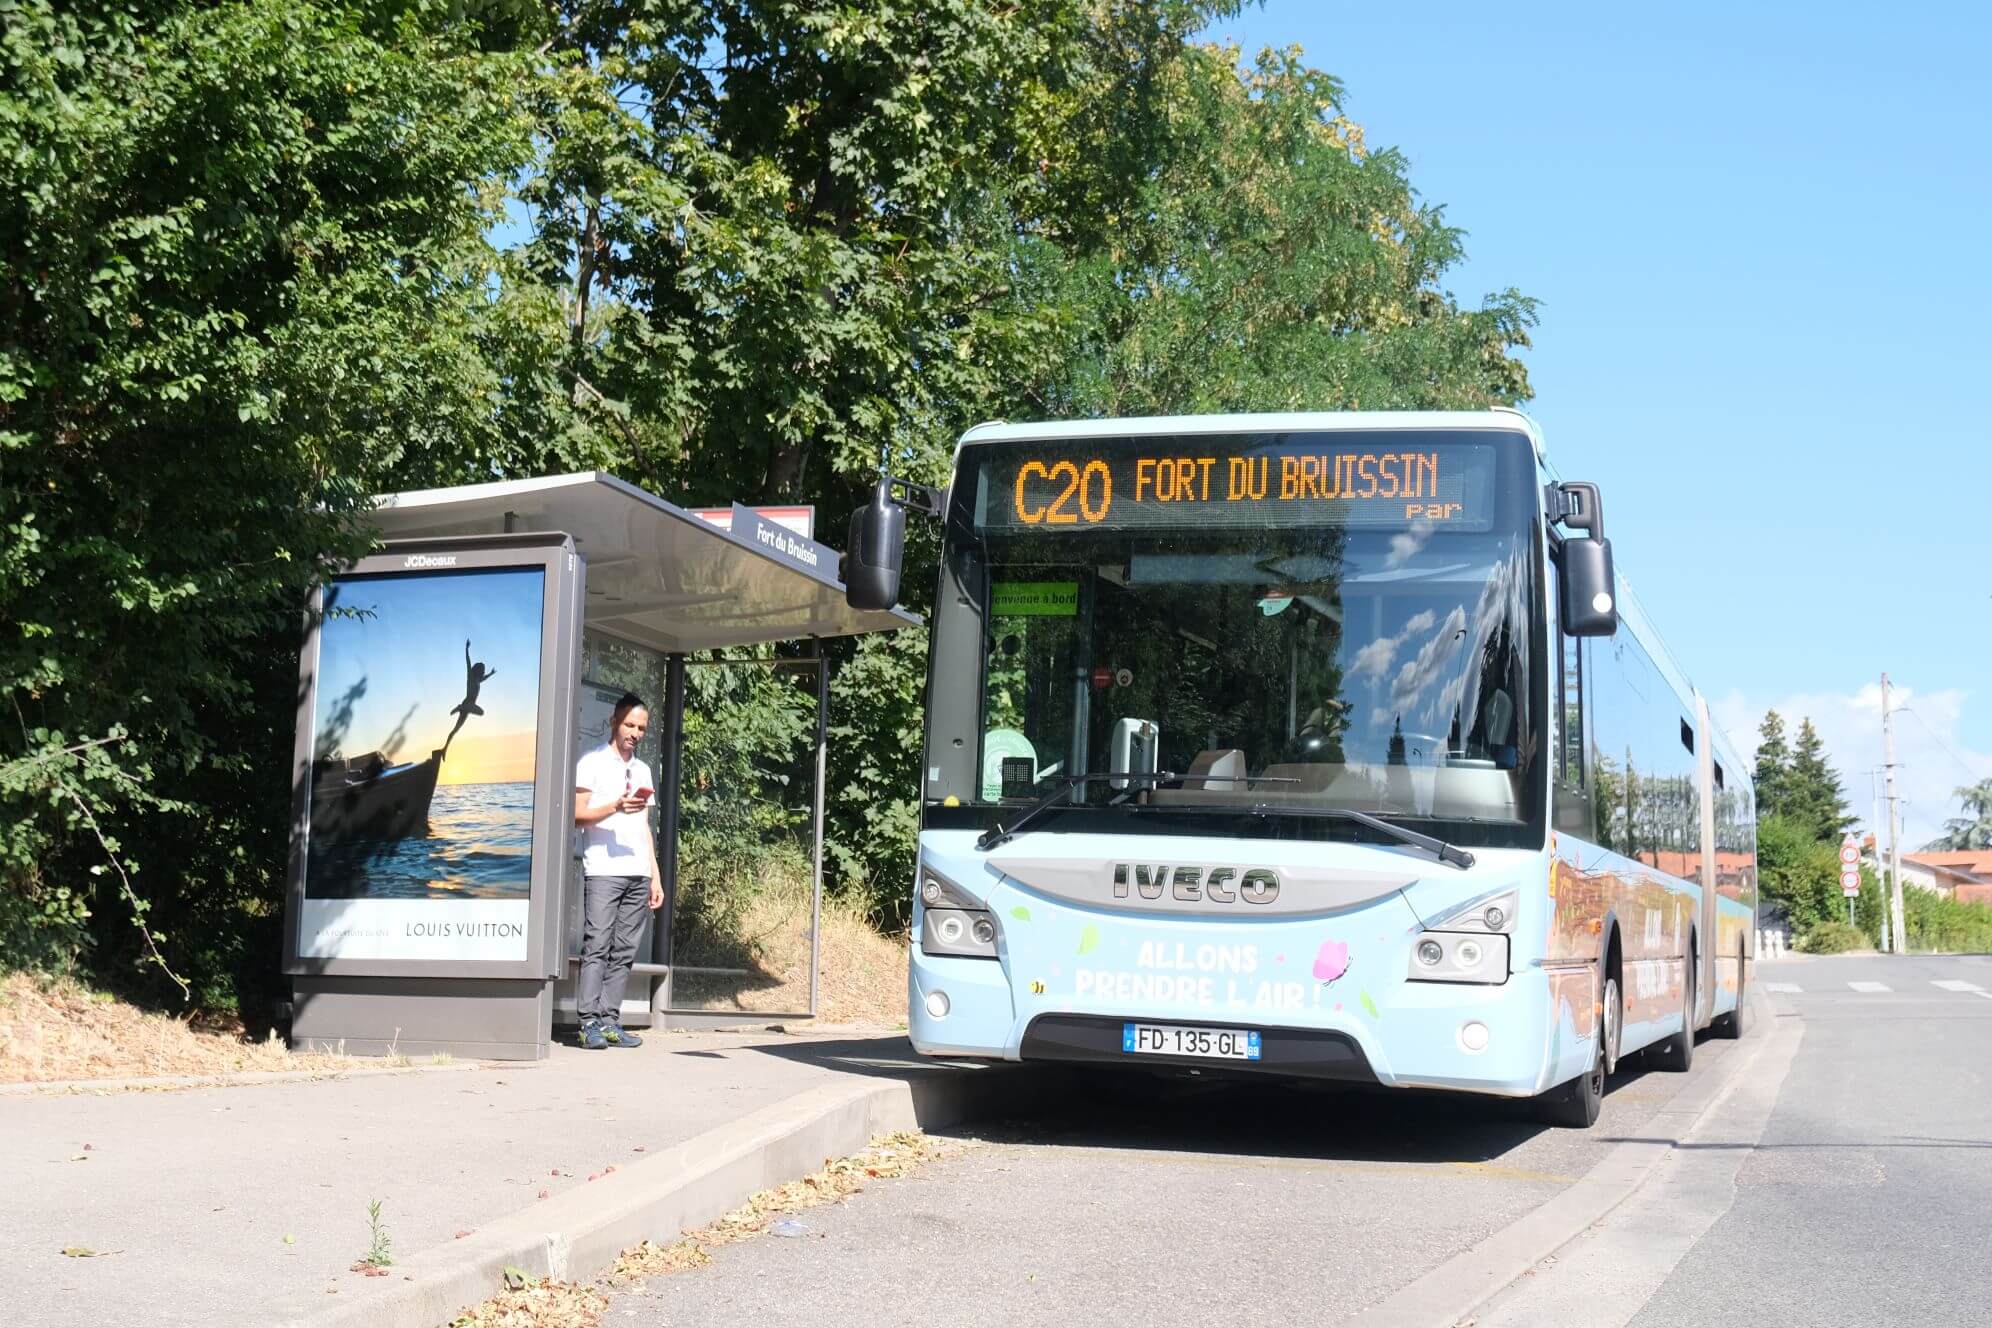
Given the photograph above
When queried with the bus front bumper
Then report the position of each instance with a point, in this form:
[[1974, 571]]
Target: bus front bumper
[[1499, 1040]]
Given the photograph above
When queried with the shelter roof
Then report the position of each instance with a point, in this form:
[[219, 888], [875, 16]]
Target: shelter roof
[[658, 576]]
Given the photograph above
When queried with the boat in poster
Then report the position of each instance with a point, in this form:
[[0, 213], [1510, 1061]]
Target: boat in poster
[[366, 798]]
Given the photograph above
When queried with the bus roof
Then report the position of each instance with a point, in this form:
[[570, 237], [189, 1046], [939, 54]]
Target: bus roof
[[1500, 419]]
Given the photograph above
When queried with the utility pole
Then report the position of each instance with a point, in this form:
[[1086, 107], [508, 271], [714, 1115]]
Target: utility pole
[[1880, 863], [1898, 941]]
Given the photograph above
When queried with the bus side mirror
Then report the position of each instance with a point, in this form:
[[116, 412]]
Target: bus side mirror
[[876, 553], [1589, 608], [1590, 603]]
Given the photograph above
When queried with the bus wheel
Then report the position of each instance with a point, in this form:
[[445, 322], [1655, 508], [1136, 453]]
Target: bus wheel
[[1678, 1052], [1576, 1105], [1731, 1025]]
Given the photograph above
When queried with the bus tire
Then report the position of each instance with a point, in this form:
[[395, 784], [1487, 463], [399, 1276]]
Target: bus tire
[[1730, 1025], [1677, 1053], [1575, 1105]]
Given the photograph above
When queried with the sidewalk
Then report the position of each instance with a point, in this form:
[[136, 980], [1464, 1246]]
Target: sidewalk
[[248, 1204]]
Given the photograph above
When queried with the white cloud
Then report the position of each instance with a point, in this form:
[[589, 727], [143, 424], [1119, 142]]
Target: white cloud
[[1931, 759], [1405, 547], [1374, 660]]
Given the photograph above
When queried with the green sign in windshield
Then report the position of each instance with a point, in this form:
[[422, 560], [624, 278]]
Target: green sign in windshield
[[1034, 599]]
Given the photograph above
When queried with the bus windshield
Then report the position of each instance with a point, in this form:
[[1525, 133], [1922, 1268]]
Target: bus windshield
[[1328, 620]]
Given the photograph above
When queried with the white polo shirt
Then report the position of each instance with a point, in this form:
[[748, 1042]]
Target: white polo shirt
[[618, 844]]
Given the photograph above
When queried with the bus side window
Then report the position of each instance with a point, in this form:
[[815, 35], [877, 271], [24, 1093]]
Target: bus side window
[[1571, 797]]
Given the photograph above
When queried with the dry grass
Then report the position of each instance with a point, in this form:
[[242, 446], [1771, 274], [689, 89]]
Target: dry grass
[[863, 976], [54, 1029], [571, 1305]]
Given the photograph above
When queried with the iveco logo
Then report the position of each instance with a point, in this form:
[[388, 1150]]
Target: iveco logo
[[429, 560], [1219, 885]]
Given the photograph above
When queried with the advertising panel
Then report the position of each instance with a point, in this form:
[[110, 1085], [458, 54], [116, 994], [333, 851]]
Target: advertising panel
[[426, 815], [424, 741]]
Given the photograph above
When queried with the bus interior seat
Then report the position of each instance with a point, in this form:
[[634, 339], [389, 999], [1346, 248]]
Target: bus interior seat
[[1500, 718], [1225, 764]]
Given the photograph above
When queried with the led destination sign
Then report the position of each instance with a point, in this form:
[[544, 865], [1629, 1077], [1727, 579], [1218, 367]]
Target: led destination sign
[[1193, 482]]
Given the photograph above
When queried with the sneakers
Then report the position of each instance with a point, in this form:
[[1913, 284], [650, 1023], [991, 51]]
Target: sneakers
[[593, 1037], [618, 1036]]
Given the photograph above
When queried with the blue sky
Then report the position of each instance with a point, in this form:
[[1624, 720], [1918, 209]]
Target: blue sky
[[1759, 238], [410, 658]]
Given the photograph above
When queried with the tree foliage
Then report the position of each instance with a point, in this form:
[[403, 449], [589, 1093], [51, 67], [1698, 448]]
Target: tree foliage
[[1973, 829], [241, 271], [1799, 784], [1773, 774], [246, 280]]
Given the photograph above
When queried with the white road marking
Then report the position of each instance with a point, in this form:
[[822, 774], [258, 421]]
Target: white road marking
[[1783, 986], [1954, 984], [1870, 987]]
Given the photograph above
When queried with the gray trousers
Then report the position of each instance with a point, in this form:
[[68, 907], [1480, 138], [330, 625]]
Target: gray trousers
[[612, 911]]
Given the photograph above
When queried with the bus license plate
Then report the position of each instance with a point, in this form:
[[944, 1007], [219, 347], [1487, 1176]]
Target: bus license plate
[[1228, 1044]]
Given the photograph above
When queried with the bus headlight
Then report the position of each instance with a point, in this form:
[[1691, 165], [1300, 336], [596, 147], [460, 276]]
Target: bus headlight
[[1495, 912], [952, 921], [1460, 957], [960, 932]]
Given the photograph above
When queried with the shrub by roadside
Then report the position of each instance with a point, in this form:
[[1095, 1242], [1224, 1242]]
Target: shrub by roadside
[[1832, 938]]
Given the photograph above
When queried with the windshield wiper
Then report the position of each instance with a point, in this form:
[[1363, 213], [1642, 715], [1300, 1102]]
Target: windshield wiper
[[1451, 855], [1429, 843], [1001, 833]]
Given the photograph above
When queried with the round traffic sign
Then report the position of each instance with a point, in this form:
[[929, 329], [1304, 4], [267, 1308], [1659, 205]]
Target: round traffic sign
[[1850, 882], [1849, 853]]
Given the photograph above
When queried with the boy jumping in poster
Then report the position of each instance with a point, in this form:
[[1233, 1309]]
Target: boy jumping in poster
[[474, 678]]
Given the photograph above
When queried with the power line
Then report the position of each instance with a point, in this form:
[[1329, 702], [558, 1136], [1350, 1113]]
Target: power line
[[1971, 775]]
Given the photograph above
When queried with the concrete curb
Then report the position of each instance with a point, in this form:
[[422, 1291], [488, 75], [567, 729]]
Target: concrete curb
[[238, 1079], [1456, 1288], [580, 1233]]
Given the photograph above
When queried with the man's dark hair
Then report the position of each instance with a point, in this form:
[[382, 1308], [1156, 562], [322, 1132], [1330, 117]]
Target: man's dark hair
[[627, 702]]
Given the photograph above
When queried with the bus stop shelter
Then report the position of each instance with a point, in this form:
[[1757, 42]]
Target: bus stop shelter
[[415, 925]]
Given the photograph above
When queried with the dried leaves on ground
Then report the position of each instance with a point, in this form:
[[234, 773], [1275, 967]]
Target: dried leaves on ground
[[535, 1304], [526, 1303]]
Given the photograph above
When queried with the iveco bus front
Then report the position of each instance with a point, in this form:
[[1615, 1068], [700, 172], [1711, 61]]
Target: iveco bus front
[[1239, 753]]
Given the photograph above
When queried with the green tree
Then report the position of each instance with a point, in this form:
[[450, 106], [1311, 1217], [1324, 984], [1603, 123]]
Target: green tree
[[244, 283], [242, 274], [1973, 830], [1267, 259], [1799, 872], [790, 241], [1773, 776], [1814, 797]]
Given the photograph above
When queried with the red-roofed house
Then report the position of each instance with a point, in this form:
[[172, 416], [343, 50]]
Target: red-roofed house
[[1964, 875]]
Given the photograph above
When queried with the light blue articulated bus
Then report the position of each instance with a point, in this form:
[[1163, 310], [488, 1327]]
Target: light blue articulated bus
[[1327, 746]]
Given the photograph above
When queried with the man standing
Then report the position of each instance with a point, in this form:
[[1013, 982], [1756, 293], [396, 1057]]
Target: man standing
[[619, 872]]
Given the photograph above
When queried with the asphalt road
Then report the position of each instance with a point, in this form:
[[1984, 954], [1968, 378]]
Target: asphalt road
[[1856, 1190], [1145, 1202]]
